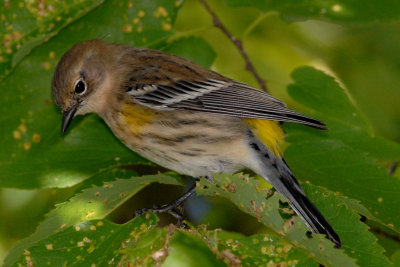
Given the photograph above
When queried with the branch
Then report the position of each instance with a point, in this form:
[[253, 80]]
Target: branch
[[238, 43]]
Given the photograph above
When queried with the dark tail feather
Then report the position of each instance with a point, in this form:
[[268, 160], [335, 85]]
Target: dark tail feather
[[314, 219], [286, 183], [277, 172]]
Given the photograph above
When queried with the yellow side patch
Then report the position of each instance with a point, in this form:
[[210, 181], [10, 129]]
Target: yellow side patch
[[268, 132], [137, 116]]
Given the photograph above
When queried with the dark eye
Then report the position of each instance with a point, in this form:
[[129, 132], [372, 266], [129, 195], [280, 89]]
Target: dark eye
[[80, 87]]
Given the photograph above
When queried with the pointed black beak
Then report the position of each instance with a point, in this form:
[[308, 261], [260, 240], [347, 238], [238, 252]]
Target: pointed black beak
[[68, 115]]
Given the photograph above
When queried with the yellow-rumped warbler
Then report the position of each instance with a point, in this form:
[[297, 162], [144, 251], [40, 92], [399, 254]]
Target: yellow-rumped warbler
[[182, 116]]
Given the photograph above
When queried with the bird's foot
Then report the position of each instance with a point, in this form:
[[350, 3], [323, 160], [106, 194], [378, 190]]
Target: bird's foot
[[174, 208]]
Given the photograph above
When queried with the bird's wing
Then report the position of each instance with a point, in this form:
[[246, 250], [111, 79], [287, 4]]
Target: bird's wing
[[221, 97]]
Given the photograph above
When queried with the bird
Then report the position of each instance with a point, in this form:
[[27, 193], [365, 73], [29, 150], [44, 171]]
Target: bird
[[183, 117]]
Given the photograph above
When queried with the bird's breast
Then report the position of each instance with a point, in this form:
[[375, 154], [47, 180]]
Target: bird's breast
[[192, 143]]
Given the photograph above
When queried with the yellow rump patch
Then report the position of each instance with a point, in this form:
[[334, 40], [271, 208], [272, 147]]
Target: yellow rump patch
[[269, 132]]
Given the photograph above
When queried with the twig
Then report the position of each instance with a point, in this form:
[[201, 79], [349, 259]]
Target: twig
[[238, 43]]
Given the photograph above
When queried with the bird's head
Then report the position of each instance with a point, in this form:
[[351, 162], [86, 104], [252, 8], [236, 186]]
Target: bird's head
[[80, 79]]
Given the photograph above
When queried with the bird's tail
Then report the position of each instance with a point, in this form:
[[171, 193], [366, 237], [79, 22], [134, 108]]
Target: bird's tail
[[305, 208], [276, 171]]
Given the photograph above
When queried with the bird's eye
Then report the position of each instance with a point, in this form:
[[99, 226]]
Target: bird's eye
[[80, 87]]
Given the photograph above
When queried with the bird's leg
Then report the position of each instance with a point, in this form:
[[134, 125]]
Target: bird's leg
[[178, 214], [171, 208], [175, 208]]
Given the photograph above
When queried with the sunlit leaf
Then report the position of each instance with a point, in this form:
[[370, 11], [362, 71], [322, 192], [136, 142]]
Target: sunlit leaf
[[87, 243], [92, 203]]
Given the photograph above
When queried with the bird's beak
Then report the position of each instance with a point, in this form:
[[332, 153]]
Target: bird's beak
[[68, 115]]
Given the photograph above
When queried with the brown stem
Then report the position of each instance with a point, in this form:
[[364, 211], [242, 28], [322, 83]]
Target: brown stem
[[238, 43]]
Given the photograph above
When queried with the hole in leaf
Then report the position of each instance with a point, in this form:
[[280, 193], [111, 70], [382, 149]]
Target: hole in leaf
[[309, 234], [363, 218], [285, 210]]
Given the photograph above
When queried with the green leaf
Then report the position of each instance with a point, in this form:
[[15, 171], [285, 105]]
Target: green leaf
[[190, 250], [396, 258], [92, 203], [26, 25], [258, 250], [346, 157], [244, 192], [337, 11], [200, 51], [89, 243], [331, 103], [358, 242], [34, 154], [290, 243], [150, 250]]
